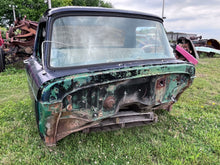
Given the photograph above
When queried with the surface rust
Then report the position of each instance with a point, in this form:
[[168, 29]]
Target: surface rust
[[19, 42], [86, 99]]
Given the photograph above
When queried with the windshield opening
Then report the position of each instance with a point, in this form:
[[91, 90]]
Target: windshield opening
[[89, 40]]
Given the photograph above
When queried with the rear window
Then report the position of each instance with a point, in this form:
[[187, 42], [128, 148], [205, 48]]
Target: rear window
[[90, 40]]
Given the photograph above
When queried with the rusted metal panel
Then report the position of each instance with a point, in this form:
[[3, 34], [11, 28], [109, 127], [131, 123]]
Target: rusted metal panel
[[188, 46], [209, 47], [19, 41], [23, 33], [207, 50], [77, 102]]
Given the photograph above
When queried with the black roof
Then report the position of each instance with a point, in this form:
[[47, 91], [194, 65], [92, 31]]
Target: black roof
[[98, 10]]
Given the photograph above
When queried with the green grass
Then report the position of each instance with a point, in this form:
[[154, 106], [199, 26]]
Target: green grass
[[190, 134]]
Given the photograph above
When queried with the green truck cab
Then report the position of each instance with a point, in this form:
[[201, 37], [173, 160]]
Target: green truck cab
[[101, 69]]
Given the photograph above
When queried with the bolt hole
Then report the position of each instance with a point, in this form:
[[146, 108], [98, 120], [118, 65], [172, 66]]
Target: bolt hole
[[162, 83]]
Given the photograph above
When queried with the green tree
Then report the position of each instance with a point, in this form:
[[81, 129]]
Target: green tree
[[6, 14], [34, 9], [91, 3], [3, 32]]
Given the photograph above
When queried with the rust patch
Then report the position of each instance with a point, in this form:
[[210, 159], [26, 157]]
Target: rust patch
[[51, 127], [100, 114], [69, 106], [160, 89], [109, 102], [161, 83], [50, 141], [69, 98], [62, 134], [56, 107]]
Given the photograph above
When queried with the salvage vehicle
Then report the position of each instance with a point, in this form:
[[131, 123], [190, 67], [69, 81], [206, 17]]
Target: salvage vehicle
[[19, 42], [208, 47], [101, 69]]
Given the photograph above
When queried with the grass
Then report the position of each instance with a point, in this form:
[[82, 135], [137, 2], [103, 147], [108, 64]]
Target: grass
[[190, 134]]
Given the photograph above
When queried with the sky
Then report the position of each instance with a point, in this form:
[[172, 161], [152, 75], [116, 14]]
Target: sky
[[201, 17]]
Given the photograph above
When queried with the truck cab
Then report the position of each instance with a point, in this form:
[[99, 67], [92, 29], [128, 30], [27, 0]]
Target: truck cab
[[100, 68]]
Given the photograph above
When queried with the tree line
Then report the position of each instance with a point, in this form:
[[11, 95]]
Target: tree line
[[34, 9]]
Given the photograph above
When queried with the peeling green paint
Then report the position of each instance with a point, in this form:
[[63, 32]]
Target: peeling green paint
[[82, 80], [126, 86]]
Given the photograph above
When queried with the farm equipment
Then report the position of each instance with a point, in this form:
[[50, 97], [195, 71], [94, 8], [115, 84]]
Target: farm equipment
[[209, 47], [19, 42]]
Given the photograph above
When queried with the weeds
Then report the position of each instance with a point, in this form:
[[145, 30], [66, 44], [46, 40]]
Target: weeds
[[190, 134]]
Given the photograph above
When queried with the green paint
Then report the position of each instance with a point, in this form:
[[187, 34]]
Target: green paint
[[85, 78], [67, 84], [83, 82], [44, 113]]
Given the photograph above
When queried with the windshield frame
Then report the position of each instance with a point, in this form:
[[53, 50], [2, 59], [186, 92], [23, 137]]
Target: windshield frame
[[102, 14]]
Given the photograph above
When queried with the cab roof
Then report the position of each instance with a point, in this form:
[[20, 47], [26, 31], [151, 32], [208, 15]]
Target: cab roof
[[99, 11]]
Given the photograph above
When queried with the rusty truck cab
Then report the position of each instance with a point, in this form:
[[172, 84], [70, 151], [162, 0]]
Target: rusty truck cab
[[96, 68]]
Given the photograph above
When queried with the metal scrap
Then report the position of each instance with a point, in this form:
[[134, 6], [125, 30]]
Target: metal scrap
[[19, 42]]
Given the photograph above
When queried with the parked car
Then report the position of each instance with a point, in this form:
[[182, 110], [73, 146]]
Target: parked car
[[99, 68]]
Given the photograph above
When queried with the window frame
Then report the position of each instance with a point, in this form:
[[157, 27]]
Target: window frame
[[39, 40], [103, 14]]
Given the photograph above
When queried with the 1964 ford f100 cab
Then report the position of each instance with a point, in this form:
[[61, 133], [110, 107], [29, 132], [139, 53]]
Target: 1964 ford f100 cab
[[98, 68]]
